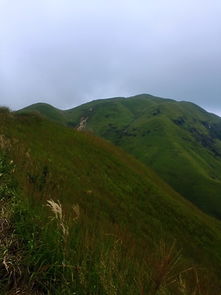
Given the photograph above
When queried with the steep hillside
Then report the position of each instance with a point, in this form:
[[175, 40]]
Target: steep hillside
[[110, 201], [179, 140]]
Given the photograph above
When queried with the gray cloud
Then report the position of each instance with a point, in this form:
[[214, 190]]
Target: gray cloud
[[66, 52]]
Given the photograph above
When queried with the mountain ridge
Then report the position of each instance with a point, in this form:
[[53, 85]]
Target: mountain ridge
[[179, 140], [35, 106]]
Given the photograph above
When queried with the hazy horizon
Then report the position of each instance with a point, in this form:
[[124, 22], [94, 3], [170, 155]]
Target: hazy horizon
[[66, 53]]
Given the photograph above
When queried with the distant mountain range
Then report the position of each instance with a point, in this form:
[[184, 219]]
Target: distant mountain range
[[179, 140]]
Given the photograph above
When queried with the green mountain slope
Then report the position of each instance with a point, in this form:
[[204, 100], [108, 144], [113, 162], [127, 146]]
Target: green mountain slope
[[119, 198], [179, 140], [46, 110]]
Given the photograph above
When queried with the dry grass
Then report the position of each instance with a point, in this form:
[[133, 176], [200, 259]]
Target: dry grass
[[166, 267], [57, 210], [108, 268], [184, 286], [10, 250], [76, 212]]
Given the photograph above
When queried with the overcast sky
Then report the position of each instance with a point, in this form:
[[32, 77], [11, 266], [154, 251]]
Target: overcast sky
[[66, 52]]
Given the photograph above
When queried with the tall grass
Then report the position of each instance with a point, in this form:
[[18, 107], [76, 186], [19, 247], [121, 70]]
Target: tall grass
[[58, 255], [109, 243]]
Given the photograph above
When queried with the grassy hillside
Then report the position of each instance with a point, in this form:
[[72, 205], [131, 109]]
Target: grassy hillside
[[116, 228], [47, 111], [179, 140]]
